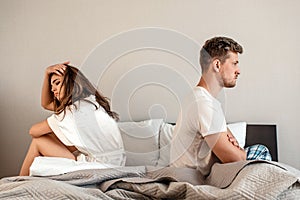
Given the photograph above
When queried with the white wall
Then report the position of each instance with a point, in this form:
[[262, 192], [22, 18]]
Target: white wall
[[36, 33]]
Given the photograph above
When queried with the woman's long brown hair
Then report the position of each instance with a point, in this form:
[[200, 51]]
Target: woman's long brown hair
[[77, 87]]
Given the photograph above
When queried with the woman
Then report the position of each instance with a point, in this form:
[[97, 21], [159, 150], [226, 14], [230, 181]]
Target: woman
[[82, 127]]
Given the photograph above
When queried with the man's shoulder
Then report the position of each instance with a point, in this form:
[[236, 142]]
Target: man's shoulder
[[199, 100], [200, 93]]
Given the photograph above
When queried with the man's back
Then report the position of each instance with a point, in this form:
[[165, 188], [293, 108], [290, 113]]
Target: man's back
[[201, 115]]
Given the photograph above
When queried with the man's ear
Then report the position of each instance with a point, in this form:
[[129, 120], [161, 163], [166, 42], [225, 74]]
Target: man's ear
[[216, 65]]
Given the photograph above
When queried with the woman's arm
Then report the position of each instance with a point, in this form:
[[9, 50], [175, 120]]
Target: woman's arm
[[47, 95], [39, 129]]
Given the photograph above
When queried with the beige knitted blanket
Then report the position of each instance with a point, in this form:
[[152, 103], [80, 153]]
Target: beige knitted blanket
[[239, 180]]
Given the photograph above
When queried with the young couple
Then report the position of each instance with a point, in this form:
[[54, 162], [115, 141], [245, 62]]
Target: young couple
[[83, 125]]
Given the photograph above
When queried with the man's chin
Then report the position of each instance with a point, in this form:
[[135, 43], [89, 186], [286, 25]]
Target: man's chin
[[230, 85]]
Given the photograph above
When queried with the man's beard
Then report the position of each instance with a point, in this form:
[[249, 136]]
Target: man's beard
[[228, 84]]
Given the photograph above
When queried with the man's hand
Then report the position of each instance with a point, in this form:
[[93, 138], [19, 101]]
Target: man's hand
[[233, 140]]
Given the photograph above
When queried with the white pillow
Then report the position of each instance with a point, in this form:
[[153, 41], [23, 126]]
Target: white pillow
[[140, 141], [165, 137], [238, 129]]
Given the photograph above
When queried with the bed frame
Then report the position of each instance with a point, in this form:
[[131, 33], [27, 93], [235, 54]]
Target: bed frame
[[263, 134]]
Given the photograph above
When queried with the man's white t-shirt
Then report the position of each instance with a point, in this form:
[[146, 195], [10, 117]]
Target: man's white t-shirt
[[92, 131], [201, 115]]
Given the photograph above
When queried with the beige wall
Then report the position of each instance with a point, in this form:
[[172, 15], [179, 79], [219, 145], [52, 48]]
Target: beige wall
[[36, 33]]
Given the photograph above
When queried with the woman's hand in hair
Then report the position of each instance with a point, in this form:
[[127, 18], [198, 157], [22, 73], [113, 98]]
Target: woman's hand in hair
[[58, 69], [47, 97]]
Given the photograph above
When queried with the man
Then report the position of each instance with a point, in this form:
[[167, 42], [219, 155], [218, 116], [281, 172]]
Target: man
[[201, 137]]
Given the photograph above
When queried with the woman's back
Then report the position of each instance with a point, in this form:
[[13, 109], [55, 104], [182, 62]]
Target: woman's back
[[92, 131]]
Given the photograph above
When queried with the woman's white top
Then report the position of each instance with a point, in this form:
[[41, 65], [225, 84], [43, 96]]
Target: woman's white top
[[92, 131]]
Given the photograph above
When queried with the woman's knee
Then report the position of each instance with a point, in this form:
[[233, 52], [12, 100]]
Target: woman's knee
[[50, 145], [43, 141]]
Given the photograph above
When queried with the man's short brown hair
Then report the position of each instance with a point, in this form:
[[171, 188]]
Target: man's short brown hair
[[217, 47]]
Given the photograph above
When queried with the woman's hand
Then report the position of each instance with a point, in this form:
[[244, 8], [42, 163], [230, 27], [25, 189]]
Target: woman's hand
[[58, 69], [46, 95]]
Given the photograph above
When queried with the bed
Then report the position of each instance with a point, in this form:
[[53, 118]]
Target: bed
[[147, 175], [146, 127]]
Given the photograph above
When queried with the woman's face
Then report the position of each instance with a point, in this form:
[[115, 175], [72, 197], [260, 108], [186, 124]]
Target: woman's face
[[56, 86]]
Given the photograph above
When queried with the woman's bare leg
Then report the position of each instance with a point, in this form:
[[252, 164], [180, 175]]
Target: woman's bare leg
[[46, 145]]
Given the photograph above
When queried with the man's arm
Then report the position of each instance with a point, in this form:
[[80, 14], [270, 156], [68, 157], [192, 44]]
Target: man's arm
[[224, 149]]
